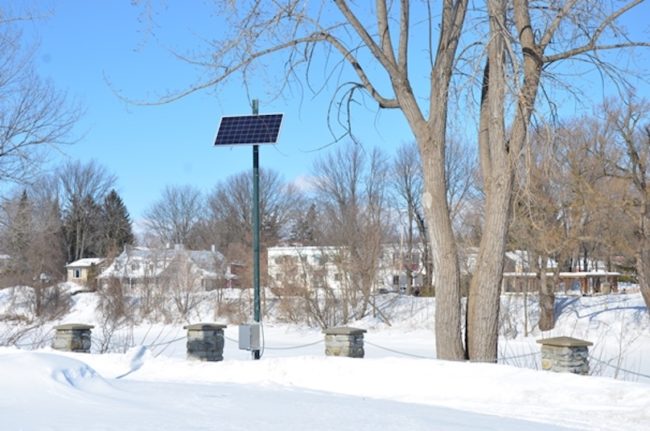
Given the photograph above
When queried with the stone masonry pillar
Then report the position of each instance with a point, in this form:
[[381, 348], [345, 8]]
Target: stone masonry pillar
[[205, 341], [72, 337], [344, 341], [565, 355]]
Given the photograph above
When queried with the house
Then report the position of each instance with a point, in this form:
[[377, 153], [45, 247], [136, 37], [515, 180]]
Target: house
[[518, 277], [141, 266], [84, 271], [329, 267]]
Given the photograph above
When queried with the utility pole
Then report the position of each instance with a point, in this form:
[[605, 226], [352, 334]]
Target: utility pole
[[256, 231], [251, 130]]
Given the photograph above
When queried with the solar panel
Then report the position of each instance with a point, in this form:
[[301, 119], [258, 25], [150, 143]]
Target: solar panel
[[249, 129]]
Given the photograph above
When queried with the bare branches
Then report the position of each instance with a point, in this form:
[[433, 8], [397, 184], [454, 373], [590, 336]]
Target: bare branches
[[550, 31], [174, 217], [33, 116], [592, 44], [362, 31]]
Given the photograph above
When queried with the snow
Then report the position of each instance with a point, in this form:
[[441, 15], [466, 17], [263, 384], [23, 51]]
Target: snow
[[86, 262], [397, 386]]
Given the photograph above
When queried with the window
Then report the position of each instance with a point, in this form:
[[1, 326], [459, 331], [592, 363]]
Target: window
[[337, 276], [77, 273], [395, 280]]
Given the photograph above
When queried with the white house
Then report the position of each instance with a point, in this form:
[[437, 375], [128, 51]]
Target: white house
[[140, 266], [326, 266]]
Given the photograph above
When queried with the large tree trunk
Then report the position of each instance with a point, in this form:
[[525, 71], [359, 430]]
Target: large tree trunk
[[499, 156], [643, 255], [484, 295], [444, 253], [497, 171]]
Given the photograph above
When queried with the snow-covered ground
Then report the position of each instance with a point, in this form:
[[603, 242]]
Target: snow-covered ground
[[398, 385]]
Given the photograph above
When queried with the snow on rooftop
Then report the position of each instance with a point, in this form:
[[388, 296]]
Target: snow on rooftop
[[86, 262]]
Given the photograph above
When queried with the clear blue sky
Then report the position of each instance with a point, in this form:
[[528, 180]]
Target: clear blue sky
[[86, 44]]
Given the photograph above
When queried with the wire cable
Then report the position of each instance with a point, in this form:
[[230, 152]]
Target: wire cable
[[35, 344], [164, 343], [591, 358], [397, 351], [265, 347], [301, 346], [520, 356]]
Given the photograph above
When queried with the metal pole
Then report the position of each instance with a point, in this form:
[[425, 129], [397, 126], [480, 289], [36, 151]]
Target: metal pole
[[256, 231]]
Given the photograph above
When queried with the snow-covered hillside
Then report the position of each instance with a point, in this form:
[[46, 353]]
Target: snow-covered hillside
[[146, 382]]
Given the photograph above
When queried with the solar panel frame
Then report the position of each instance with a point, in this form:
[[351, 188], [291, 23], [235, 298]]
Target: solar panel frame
[[248, 129]]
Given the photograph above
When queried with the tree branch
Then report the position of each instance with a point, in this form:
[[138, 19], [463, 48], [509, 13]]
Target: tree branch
[[365, 37], [404, 23], [384, 30], [591, 45]]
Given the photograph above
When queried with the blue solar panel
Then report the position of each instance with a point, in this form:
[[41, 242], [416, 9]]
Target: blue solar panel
[[249, 129]]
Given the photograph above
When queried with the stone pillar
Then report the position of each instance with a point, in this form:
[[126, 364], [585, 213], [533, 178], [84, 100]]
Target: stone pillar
[[565, 355], [72, 337], [344, 341], [205, 341]]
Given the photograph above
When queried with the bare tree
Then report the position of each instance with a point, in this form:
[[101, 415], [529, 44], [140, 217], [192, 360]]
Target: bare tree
[[175, 215], [230, 203], [34, 117], [407, 184], [408, 187], [228, 223], [351, 188], [80, 187], [382, 38], [31, 234], [519, 52], [184, 286], [305, 290], [631, 123]]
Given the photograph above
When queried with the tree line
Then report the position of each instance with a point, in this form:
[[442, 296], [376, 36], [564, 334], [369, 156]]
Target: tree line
[[71, 214], [579, 198]]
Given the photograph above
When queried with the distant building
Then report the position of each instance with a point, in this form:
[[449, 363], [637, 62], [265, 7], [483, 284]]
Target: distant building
[[520, 276], [328, 267], [84, 271], [138, 266]]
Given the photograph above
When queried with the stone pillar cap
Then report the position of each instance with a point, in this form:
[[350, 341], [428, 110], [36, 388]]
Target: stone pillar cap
[[344, 330], [73, 326], [204, 326], [564, 342]]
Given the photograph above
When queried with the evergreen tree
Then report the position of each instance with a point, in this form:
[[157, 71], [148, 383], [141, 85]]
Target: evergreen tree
[[81, 228], [116, 227]]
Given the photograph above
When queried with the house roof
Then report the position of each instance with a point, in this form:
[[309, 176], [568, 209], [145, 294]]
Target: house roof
[[140, 262], [85, 263]]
